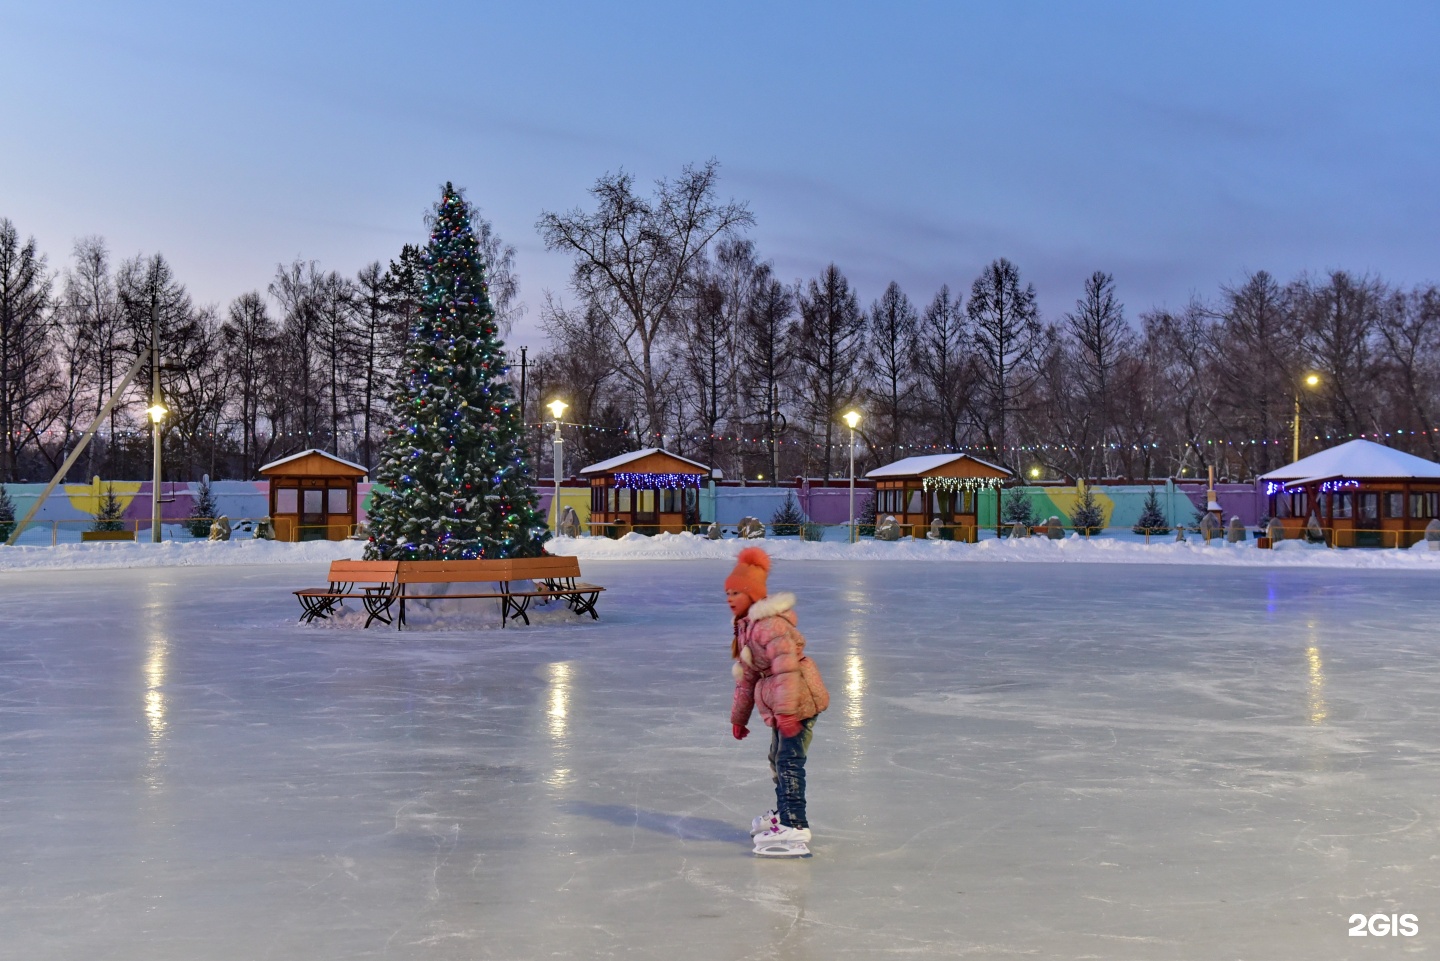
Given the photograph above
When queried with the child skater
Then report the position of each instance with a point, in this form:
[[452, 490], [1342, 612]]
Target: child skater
[[772, 672]]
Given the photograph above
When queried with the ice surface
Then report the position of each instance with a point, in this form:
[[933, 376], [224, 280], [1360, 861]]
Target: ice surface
[[1021, 760]]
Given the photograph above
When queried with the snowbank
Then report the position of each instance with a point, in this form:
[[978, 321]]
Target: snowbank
[[101, 554], [1109, 549]]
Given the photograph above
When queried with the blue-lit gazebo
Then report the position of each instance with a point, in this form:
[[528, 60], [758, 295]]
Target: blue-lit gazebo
[[650, 491]]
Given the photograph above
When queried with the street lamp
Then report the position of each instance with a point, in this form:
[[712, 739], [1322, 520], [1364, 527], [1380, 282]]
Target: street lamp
[[557, 407], [157, 414], [852, 419], [1311, 380]]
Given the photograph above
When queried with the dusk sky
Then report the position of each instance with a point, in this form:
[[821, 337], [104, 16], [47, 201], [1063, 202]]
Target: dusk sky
[[1175, 146]]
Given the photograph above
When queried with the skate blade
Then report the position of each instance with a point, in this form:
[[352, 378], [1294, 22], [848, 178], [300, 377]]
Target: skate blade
[[782, 849]]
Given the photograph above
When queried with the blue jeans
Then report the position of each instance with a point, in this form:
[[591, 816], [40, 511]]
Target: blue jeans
[[787, 767]]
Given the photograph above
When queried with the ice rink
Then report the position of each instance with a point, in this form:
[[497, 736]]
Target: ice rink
[[1034, 761]]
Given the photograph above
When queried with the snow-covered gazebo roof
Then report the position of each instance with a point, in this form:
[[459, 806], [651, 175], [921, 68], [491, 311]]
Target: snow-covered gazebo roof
[[313, 461], [651, 460], [1355, 460], [939, 465]]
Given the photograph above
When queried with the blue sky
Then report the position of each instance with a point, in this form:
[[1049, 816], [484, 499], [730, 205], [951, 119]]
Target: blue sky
[[1175, 146]]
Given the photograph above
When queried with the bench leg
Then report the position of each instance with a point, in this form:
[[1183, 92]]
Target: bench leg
[[378, 606], [512, 606], [316, 607], [582, 603]]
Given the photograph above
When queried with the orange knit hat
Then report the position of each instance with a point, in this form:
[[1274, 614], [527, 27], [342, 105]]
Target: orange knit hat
[[749, 574]]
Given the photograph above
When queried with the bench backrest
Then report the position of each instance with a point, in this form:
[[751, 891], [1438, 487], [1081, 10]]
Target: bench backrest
[[351, 572], [508, 569]]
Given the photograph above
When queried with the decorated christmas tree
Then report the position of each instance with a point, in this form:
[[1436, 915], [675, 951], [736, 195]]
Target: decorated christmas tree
[[456, 483]]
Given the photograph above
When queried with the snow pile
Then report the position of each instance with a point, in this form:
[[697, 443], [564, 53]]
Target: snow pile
[[1107, 549], [179, 553], [1074, 549]]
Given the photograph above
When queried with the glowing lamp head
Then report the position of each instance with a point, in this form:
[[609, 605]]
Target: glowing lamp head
[[1312, 380], [1034, 472], [157, 413], [557, 407], [852, 419]]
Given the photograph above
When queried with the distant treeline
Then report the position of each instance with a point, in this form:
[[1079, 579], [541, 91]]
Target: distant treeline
[[677, 332]]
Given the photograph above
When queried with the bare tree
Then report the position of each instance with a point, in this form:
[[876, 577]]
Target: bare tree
[[27, 368], [297, 288], [633, 258], [248, 336], [582, 369], [1409, 329], [766, 362], [827, 347], [1338, 321], [889, 366], [947, 367], [1101, 339], [1006, 326]]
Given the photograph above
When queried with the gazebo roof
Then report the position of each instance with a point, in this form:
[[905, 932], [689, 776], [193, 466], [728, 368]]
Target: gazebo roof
[[1356, 460], [940, 465], [651, 460], [314, 463]]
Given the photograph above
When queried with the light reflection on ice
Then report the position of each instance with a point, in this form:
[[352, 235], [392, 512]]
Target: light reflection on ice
[[557, 716], [1317, 685], [157, 658], [559, 709], [854, 690]]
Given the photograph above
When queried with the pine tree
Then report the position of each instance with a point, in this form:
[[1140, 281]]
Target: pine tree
[[456, 483], [7, 514], [203, 513], [108, 517], [1016, 508], [1152, 518], [789, 519], [1087, 518]]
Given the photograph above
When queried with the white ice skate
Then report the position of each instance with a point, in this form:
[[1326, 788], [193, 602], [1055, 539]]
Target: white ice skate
[[783, 842], [764, 822]]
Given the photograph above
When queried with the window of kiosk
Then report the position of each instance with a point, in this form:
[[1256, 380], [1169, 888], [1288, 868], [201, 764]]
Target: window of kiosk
[[1423, 505], [1343, 506], [287, 501], [645, 502], [338, 500], [314, 501], [1394, 504], [1369, 507]]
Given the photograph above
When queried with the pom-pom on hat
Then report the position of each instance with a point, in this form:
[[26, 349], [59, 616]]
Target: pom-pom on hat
[[751, 567]]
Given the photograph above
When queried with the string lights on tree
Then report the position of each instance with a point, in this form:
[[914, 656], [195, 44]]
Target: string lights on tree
[[453, 479]]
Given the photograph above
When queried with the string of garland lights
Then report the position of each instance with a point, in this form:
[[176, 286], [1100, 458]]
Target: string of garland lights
[[955, 485], [655, 481]]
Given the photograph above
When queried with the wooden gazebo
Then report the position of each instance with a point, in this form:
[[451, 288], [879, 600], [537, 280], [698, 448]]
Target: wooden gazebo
[[916, 490], [1363, 494], [312, 496], [650, 491]]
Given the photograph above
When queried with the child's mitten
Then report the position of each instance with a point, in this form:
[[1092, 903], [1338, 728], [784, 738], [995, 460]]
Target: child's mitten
[[740, 731]]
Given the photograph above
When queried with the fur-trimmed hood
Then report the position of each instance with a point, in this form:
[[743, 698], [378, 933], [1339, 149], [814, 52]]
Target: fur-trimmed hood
[[772, 605]]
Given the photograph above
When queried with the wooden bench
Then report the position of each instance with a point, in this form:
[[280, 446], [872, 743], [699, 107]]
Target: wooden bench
[[107, 536], [379, 584]]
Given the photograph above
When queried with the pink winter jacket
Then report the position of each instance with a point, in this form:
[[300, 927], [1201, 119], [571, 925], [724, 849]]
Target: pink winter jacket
[[768, 651]]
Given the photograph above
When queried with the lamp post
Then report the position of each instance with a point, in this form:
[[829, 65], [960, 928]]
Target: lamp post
[[557, 407], [1311, 380], [157, 414], [852, 419]]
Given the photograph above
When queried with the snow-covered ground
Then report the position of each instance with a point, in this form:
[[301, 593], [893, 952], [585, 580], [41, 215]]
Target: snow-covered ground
[[1051, 760], [1114, 547]]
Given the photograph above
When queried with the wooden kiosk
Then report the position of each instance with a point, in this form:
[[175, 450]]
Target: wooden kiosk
[[651, 491], [1363, 494], [312, 496], [917, 490]]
